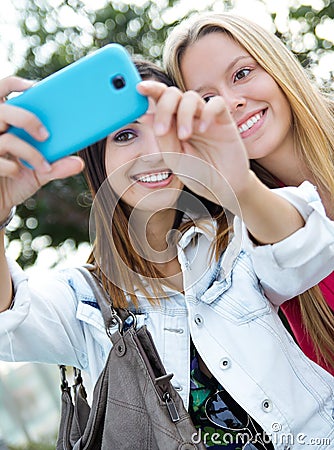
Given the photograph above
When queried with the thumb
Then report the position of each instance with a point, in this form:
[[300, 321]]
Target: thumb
[[63, 168]]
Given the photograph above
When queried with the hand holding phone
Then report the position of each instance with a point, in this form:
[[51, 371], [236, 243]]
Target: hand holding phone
[[83, 102]]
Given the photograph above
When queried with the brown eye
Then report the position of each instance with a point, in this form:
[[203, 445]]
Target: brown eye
[[124, 136], [208, 98], [242, 74]]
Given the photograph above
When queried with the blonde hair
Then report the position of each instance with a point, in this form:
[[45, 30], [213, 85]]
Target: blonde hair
[[313, 128]]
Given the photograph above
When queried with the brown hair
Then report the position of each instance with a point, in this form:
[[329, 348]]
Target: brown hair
[[312, 126], [112, 233]]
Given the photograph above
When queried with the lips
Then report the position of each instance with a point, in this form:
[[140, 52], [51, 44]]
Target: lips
[[153, 177], [250, 122]]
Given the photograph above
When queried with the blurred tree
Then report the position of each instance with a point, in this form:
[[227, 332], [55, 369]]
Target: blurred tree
[[310, 34], [58, 32]]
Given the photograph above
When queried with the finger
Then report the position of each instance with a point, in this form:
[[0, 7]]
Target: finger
[[17, 149], [151, 88], [166, 108], [214, 111], [11, 115], [9, 167], [14, 84], [166, 99], [63, 168], [190, 108], [171, 151]]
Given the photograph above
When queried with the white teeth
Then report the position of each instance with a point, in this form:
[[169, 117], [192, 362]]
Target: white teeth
[[250, 122], [154, 177]]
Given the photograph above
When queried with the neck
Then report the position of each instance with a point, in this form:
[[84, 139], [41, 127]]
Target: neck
[[292, 171], [153, 230], [287, 167]]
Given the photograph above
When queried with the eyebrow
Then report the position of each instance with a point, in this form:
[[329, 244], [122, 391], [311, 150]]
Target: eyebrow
[[237, 59], [232, 63]]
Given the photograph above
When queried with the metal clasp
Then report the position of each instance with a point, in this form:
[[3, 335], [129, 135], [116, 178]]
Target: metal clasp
[[63, 379], [115, 319]]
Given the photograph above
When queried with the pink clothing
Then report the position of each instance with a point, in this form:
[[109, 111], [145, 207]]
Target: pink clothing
[[292, 312]]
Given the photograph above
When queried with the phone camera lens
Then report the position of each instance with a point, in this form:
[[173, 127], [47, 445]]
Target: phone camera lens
[[118, 82]]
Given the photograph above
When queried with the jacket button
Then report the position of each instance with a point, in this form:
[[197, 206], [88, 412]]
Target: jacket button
[[198, 319], [267, 405], [187, 265], [225, 363]]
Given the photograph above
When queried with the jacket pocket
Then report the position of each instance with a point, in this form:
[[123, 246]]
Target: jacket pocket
[[91, 315], [238, 296]]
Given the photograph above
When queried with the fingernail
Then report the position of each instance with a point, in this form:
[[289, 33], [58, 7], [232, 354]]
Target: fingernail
[[43, 133], [202, 127], [160, 129], [46, 167], [147, 83], [28, 82], [183, 132]]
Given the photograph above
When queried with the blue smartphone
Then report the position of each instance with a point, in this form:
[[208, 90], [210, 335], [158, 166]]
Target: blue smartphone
[[83, 102]]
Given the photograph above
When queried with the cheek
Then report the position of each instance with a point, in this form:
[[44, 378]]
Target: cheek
[[283, 111], [116, 184], [118, 162], [122, 186], [285, 107], [117, 178], [113, 160], [273, 94]]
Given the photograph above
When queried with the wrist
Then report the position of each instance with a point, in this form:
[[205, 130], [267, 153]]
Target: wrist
[[245, 194], [6, 220], [251, 184]]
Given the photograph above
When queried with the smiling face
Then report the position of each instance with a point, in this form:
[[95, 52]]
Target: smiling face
[[136, 169], [218, 65]]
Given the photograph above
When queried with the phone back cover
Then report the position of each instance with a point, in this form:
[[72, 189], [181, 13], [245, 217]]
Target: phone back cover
[[79, 104]]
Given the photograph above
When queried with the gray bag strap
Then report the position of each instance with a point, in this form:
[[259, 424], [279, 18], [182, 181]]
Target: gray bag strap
[[111, 316], [74, 415], [67, 411]]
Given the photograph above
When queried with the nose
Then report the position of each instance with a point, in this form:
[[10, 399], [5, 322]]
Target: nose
[[152, 155], [234, 99], [150, 152]]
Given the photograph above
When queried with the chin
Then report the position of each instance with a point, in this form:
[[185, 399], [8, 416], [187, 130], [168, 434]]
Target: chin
[[258, 155]]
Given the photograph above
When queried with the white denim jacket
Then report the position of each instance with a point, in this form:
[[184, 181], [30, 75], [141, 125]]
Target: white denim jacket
[[229, 309]]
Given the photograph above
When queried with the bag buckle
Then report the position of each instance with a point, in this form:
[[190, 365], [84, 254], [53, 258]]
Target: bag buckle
[[174, 415], [63, 379], [115, 319]]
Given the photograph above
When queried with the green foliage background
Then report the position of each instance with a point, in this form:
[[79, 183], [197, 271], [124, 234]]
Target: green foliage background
[[61, 210]]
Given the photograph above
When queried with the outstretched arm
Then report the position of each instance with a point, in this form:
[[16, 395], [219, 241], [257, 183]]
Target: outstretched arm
[[5, 280], [18, 182]]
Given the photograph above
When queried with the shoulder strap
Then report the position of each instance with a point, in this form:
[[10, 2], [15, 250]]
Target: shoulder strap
[[111, 316]]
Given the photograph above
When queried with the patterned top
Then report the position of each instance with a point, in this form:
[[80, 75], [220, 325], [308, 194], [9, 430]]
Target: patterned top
[[201, 388]]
